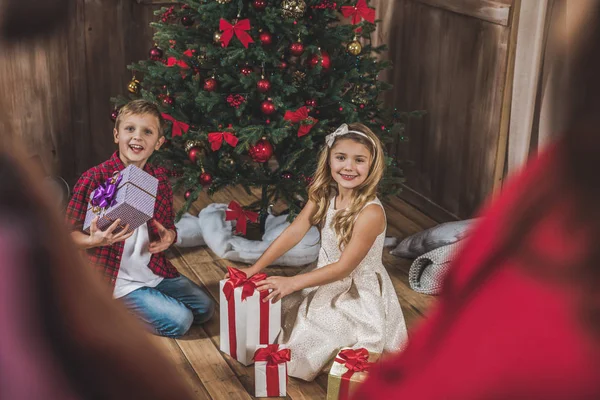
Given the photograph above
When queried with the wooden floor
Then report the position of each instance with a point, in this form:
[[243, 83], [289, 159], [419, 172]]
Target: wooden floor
[[214, 375]]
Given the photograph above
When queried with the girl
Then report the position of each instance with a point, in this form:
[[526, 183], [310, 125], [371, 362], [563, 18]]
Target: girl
[[348, 300]]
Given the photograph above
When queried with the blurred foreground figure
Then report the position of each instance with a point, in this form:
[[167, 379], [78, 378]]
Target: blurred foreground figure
[[61, 334], [519, 314]]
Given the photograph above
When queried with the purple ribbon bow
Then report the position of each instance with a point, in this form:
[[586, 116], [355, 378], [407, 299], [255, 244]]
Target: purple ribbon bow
[[104, 195]]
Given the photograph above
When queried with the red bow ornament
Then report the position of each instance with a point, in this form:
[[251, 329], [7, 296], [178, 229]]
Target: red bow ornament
[[236, 212], [179, 128], [272, 354], [358, 12], [239, 29], [239, 278], [171, 61], [301, 116], [216, 139]]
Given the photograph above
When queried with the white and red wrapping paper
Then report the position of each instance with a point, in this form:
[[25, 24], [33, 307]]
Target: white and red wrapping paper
[[270, 370], [246, 321]]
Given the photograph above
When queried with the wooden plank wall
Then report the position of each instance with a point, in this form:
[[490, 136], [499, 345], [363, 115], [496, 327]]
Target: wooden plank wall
[[56, 91], [450, 59]]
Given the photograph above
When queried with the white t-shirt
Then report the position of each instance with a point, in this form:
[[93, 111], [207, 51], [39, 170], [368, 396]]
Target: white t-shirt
[[134, 272]]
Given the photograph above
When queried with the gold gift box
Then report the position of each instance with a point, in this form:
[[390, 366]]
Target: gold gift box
[[338, 369]]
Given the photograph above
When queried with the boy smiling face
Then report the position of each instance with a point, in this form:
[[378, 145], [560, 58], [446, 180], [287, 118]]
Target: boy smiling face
[[138, 136]]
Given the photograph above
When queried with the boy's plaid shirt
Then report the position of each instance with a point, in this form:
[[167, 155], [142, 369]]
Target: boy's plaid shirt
[[108, 258]]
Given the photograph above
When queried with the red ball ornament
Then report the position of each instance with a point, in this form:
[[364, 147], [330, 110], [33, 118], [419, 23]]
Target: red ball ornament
[[261, 151], [186, 20], [155, 53], [246, 70], [282, 65], [297, 48], [322, 59], [188, 194], [311, 103], [259, 4], [263, 85], [265, 38], [195, 154], [287, 175], [210, 85], [205, 179], [114, 114], [267, 107], [168, 100]]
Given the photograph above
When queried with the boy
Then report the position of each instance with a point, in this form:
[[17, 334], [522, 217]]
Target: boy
[[137, 269]]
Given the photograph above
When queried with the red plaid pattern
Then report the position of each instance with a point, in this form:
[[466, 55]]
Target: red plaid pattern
[[107, 259]]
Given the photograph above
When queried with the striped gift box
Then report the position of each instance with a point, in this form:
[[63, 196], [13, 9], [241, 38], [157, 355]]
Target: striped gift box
[[134, 201]]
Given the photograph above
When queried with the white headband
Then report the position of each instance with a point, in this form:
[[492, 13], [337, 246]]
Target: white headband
[[341, 131]]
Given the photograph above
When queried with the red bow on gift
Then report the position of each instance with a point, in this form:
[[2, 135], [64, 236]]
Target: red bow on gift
[[179, 128], [301, 116], [239, 29], [272, 354], [239, 278], [359, 11], [216, 139], [173, 61], [236, 212], [355, 360]]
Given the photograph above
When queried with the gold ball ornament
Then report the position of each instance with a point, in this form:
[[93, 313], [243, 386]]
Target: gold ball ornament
[[293, 8], [191, 144], [217, 37], [354, 47], [134, 86]]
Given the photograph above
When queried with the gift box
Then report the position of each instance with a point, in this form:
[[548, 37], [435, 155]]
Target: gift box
[[270, 370], [246, 321], [129, 195], [350, 368]]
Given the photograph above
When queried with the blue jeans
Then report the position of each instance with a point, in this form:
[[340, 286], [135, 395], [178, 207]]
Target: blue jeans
[[170, 308]]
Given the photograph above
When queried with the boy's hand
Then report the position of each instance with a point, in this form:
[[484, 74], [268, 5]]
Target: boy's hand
[[167, 237], [99, 238]]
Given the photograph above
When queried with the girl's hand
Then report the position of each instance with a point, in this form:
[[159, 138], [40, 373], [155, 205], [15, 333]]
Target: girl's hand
[[248, 271], [281, 286], [107, 238]]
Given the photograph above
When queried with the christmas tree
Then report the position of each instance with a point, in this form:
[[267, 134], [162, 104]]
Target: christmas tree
[[250, 89]]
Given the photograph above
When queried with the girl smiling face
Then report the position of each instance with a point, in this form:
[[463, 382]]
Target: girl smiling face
[[349, 162]]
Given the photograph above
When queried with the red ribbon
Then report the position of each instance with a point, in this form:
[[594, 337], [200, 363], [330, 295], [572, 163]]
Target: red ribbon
[[236, 279], [236, 212], [273, 356], [216, 139], [239, 29], [355, 361], [179, 128], [359, 11], [301, 116], [171, 61]]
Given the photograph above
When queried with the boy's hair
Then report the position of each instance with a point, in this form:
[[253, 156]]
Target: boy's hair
[[138, 107], [323, 183]]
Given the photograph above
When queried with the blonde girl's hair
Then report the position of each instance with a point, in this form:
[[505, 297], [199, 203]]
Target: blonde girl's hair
[[324, 186]]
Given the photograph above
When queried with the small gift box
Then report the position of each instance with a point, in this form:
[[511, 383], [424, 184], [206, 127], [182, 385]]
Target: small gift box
[[246, 321], [349, 369], [270, 370], [129, 195]]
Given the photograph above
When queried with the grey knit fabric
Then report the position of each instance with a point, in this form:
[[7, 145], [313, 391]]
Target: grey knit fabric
[[427, 271]]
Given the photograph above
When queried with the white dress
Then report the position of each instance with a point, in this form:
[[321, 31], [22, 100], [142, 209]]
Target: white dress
[[361, 310]]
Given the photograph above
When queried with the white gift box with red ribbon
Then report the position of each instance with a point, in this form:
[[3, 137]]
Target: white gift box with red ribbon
[[246, 321], [270, 370]]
